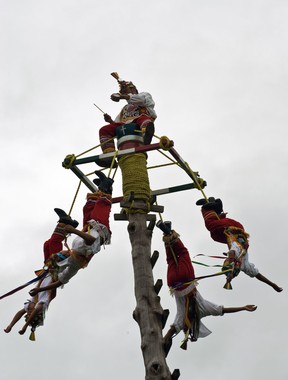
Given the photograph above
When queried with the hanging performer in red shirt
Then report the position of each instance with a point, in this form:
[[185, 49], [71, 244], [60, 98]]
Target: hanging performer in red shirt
[[230, 232], [191, 306], [35, 308], [88, 241]]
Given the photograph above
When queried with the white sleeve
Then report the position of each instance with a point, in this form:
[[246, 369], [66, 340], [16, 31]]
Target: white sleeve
[[143, 99], [247, 267], [117, 118], [69, 271], [208, 308], [180, 314], [44, 297]]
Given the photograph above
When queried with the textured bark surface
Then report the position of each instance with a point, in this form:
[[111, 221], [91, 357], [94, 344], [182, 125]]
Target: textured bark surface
[[148, 312]]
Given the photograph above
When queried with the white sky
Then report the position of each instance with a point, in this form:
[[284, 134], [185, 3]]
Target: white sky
[[217, 71]]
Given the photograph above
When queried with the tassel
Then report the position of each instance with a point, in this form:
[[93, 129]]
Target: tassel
[[115, 75], [228, 286], [32, 336], [184, 344], [185, 341], [39, 272]]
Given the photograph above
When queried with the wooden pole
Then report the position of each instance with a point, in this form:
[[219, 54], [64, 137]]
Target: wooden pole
[[148, 312]]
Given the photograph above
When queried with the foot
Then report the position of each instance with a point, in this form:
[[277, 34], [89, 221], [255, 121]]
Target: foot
[[64, 218], [149, 133], [8, 329], [22, 331], [106, 163], [203, 201], [212, 204], [277, 288], [165, 227], [168, 224], [104, 183]]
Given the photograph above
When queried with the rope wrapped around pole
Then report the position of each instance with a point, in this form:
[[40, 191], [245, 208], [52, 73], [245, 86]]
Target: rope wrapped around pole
[[135, 177]]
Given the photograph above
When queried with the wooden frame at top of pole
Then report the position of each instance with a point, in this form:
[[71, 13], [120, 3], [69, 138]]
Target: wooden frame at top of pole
[[72, 162]]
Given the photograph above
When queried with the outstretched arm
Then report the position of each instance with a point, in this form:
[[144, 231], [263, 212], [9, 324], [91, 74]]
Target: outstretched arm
[[51, 286], [240, 308]]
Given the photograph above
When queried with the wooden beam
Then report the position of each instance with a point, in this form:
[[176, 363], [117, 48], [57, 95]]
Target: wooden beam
[[167, 190], [67, 162], [84, 179], [154, 258], [124, 216]]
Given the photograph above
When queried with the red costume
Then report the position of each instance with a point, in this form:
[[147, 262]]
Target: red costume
[[54, 244], [180, 268], [97, 207], [108, 132], [217, 223]]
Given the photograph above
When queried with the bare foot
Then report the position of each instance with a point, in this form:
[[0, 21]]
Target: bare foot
[[277, 288], [22, 331], [8, 329]]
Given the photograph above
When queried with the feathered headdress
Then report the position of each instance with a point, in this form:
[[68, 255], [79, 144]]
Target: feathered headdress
[[123, 85]]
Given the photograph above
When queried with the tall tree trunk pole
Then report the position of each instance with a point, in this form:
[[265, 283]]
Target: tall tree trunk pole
[[148, 312]]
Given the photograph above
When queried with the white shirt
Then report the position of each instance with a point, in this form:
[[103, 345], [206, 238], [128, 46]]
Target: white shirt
[[246, 267], [83, 249], [144, 99], [70, 266], [42, 297], [205, 308]]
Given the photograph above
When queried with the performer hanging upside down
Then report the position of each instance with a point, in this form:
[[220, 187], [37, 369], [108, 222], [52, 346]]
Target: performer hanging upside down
[[138, 110], [35, 308], [96, 232], [191, 306], [230, 232]]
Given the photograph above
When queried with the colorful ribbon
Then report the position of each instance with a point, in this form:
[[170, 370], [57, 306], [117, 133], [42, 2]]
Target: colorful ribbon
[[42, 275]]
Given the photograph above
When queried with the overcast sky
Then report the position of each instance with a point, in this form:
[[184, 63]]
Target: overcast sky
[[217, 71]]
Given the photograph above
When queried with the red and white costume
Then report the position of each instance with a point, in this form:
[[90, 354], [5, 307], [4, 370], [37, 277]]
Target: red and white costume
[[217, 224], [96, 215], [179, 271], [139, 110]]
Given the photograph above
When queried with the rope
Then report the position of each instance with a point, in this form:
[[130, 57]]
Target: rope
[[169, 158], [112, 163], [75, 196], [135, 177], [159, 166], [94, 147], [115, 171], [173, 254], [134, 174], [195, 179], [187, 323]]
